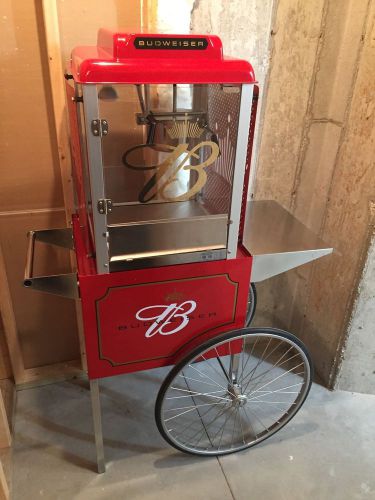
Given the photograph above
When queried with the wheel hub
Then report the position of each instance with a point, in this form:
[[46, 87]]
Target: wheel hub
[[241, 400], [235, 393]]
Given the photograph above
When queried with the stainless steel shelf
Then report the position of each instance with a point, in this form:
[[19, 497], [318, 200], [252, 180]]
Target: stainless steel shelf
[[278, 241], [157, 212], [157, 233]]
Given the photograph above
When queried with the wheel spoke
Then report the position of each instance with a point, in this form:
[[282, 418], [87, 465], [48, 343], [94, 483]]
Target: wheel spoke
[[188, 426], [193, 393], [256, 416], [234, 426], [204, 375], [272, 402], [249, 357], [282, 389], [190, 409], [223, 369], [221, 413], [222, 432], [196, 380], [271, 381], [193, 406], [265, 359], [250, 423], [243, 435], [276, 365]]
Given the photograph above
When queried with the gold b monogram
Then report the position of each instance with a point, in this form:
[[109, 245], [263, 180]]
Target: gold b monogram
[[166, 173]]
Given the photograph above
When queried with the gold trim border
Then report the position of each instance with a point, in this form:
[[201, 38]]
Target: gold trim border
[[109, 290]]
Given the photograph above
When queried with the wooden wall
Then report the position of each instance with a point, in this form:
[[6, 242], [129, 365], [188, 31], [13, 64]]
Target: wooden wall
[[31, 195]]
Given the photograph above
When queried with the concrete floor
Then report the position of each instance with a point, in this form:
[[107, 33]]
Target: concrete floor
[[326, 452]]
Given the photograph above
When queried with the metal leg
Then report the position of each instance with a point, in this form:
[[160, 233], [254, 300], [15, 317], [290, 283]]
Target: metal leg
[[233, 367], [96, 415]]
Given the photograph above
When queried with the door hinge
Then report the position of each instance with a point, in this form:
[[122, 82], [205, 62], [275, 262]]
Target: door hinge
[[105, 206], [99, 127]]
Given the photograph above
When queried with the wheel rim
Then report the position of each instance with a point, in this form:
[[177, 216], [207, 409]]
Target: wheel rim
[[220, 402]]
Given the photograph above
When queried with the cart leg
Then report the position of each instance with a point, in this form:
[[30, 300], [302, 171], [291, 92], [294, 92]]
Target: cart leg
[[233, 368], [96, 415]]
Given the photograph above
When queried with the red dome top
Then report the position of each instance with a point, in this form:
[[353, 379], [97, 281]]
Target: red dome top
[[139, 58]]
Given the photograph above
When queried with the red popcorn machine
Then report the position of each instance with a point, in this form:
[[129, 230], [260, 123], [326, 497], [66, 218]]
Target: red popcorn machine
[[167, 248]]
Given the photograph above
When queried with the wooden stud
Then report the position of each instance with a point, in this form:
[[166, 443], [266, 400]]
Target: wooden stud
[[56, 72], [4, 490], [10, 327], [5, 437], [34, 377]]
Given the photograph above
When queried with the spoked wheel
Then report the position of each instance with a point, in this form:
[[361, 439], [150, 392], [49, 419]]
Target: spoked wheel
[[233, 391], [251, 304]]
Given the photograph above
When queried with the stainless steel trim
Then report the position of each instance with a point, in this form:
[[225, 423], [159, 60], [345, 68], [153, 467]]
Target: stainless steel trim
[[150, 239], [168, 260], [239, 169], [62, 237], [266, 266], [94, 153], [278, 241], [65, 285], [147, 212], [143, 118], [161, 253], [97, 420], [197, 218]]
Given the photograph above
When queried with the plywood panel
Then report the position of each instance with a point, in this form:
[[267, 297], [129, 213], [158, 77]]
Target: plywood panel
[[46, 323], [5, 437], [30, 176], [10, 347], [80, 21], [5, 369]]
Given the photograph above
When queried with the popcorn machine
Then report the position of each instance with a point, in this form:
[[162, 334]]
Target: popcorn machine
[[167, 251]]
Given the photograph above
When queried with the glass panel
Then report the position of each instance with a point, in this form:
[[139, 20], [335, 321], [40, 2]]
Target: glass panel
[[169, 155]]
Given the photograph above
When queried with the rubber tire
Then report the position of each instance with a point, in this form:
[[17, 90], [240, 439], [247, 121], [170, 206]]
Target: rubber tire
[[250, 314]]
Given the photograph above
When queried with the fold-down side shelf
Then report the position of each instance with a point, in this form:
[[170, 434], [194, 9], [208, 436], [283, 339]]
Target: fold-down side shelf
[[57, 284], [278, 241]]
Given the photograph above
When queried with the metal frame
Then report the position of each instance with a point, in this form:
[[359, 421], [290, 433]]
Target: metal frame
[[97, 420], [95, 160], [239, 168], [84, 155]]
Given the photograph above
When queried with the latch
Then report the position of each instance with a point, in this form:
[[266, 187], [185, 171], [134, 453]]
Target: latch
[[105, 206], [99, 127]]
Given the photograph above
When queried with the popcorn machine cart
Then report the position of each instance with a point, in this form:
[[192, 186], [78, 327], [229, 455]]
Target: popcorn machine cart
[[167, 249]]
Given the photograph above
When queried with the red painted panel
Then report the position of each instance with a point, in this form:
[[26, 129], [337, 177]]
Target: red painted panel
[[135, 320]]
